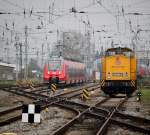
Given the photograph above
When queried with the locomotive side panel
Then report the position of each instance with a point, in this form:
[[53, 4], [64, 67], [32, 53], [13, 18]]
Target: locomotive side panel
[[133, 68], [75, 72]]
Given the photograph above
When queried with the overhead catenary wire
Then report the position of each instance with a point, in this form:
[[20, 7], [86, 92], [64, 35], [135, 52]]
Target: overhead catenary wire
[[63, 15], [58, 15], [18, 6], [139, 3], [106, 9]]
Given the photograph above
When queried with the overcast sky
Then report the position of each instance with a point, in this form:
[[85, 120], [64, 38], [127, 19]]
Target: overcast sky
[[102, 17]]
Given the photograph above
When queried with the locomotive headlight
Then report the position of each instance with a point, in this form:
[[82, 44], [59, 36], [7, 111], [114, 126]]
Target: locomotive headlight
[[108, 76], [126, 74], [59, 72], [48, 72]]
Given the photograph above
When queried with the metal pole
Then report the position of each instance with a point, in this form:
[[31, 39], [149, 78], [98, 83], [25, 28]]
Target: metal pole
[[49, 14], [26, 52], [7, 55], [42, 54], [16, 61], [20, 61], [147, 63], [37, 54], [16, 45]]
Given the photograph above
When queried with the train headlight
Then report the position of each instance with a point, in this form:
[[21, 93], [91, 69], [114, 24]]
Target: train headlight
[[126, 74], [59, 72], [108, 75], [48, 72]]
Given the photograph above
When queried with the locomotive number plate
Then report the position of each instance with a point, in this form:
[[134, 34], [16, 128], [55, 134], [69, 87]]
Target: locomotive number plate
[[117, 74]]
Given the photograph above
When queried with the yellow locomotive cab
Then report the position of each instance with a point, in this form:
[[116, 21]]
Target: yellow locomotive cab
[[118, 71]]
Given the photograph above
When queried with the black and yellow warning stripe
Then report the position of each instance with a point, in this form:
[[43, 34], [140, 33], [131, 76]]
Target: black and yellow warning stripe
[[102, 83], [85, 93], [53, 87], [132, 83]]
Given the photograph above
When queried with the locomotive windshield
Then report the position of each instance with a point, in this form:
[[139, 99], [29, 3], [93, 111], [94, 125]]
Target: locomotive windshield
[[119, 50], [54, 64]]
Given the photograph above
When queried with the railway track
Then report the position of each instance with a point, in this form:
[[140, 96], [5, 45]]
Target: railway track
[[100, 115], [106, 116], [13, 114], [76, 92], [36, 94], [23, 87]]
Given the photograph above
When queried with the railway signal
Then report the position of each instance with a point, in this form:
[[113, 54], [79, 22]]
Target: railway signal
[[139, 96], [85, 94], [31, 113]]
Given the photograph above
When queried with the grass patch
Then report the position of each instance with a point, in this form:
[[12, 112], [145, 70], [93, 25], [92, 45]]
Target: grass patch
[[146, 95]]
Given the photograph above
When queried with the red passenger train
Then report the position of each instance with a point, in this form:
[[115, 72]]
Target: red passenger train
[[61, 71]]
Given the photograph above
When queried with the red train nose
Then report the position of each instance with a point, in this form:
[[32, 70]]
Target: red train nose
[[45, 73]]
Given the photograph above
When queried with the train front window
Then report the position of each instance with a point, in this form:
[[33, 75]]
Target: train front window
[[119, 52], [54, 64]]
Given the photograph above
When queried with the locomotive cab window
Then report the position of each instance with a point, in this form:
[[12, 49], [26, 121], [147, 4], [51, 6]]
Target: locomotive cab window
[[119, 51]]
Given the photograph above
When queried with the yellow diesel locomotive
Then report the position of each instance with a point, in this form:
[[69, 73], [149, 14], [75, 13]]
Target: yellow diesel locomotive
[[118, 71]]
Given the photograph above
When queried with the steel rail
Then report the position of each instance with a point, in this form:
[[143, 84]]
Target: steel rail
[[106, 124], [32, 95], [76, 90], [103, 114], [75, 119], [17, 87], [22, 92], [63, 129], [123, 123], [18, 116], [138, 119], [10, 110], [99, 111]]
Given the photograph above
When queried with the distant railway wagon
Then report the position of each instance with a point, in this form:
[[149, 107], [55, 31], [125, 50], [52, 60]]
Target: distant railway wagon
[[143, 70], [96, 76], [61, 71], [96, 70], [118, 71]]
